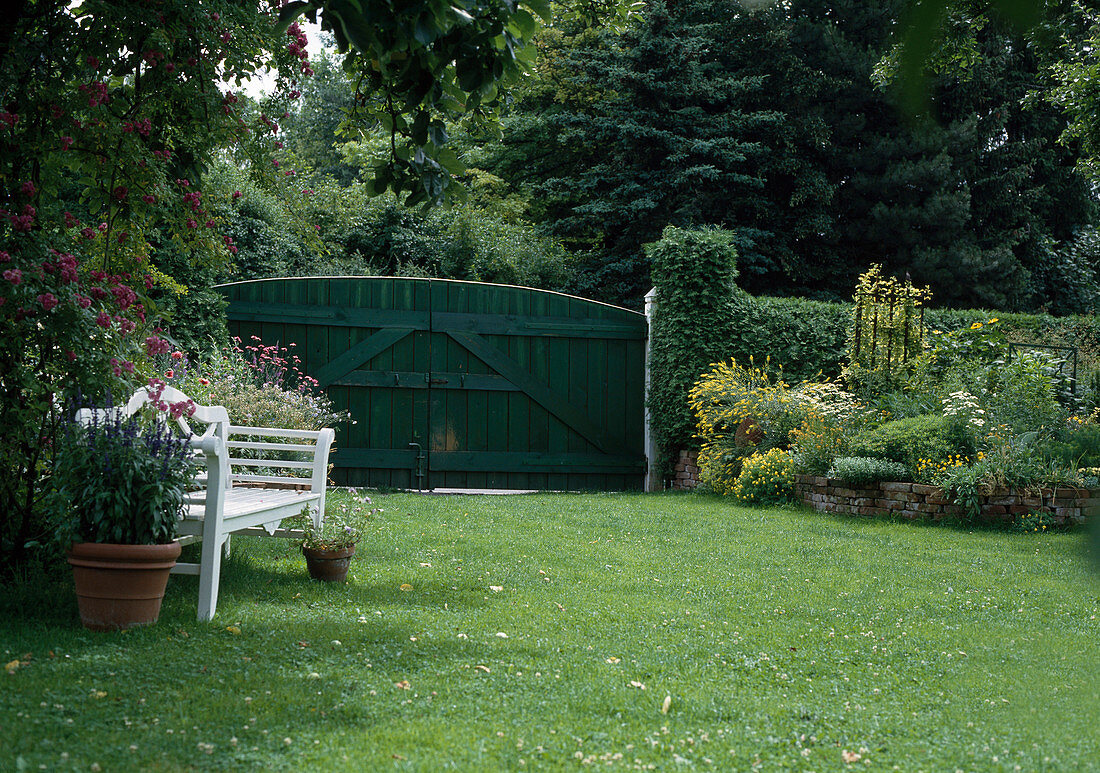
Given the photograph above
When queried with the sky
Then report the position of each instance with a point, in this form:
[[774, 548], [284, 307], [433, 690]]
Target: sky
[[263, 82]]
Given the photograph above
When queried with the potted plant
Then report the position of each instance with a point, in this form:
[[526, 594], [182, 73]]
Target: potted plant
[[328, 549], [119, 485]]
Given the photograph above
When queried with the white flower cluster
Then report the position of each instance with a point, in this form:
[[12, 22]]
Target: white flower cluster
[[965, 406]]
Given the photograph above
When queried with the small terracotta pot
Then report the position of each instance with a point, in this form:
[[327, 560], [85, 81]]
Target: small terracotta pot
[[328, 565], [120, 586]]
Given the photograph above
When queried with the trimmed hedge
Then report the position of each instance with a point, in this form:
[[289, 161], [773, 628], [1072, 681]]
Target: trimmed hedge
[[693, 271], [810, 337]]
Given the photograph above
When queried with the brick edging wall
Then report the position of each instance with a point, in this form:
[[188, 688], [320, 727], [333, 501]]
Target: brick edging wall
[[685, 473], [916, 501]]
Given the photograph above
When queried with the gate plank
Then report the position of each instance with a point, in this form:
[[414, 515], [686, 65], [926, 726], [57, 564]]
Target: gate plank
[[362, 352], [540, 393]]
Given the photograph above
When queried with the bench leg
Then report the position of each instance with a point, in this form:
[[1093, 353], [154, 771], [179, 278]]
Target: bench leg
[[209, 575], [228, 540]]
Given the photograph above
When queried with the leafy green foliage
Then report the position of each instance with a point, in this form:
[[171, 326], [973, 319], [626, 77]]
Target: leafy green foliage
[[417, 65], [353, 233], [806, 338], [110, 114], [1076, 447], [693, 272], [623, 135], [765, 120], [1023, 395], [911, 441], [865, 470]]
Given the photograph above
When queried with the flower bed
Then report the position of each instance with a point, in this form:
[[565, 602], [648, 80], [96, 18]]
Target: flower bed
[[1065, 506]]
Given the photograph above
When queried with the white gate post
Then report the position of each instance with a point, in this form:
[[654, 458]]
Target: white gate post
[[652, 481]]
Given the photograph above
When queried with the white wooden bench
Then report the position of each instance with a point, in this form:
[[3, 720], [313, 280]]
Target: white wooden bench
[[235, 494]]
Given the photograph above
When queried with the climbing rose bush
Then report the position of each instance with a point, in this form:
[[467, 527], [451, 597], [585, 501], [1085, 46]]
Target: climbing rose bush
[[110, 110]]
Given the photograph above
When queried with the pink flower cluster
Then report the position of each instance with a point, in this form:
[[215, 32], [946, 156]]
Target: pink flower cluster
[[155, 345], [96, 91], [118, 367], [25, 221], [64, 267], [269, 123], [228, 101], [298, 47], [276, 365], [142, 127], [155, 389]]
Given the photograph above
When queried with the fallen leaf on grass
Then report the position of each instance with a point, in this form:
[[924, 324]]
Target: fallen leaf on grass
[[303, 644], [12, 667], [502, 635], [639, 685], [482, 668], [850, 757], [613, 659], [496, 588], [559, 606], [667, 702], [406, 587], [426, 564], [402, 685], [233, 630]]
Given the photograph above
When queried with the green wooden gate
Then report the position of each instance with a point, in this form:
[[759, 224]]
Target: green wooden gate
[[470, 385]]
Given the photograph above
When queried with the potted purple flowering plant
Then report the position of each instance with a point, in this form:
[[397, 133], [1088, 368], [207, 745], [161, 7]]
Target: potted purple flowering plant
[[119, 488]]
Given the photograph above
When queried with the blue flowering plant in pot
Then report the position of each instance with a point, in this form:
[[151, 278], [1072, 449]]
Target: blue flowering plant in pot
[[119, 488]]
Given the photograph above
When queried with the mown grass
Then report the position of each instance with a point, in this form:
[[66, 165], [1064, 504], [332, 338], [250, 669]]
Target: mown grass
[[548, 631]]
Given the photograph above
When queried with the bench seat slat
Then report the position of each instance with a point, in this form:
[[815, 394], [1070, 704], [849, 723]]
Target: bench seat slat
[[234, 462], [257, 446], [274, 432]]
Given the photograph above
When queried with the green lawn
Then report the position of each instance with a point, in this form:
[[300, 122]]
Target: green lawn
[[550, 632]]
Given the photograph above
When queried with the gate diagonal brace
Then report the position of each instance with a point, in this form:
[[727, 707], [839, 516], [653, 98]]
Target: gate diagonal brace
[[362, 352], [536, 390]]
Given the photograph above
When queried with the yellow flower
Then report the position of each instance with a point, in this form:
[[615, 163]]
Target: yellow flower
[[994, 321]]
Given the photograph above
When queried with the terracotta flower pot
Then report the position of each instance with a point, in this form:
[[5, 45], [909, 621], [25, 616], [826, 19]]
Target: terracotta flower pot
[[120, 586], [328, 565]]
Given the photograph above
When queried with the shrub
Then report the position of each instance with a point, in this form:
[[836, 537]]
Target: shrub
[[1075, 447], [1023, 394], [928, 438], [1016, 464], [806, 337], [830, 416], [259, 386], [766, 478], [964, 347], [742, 406], [693, 271], [864, 470]]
